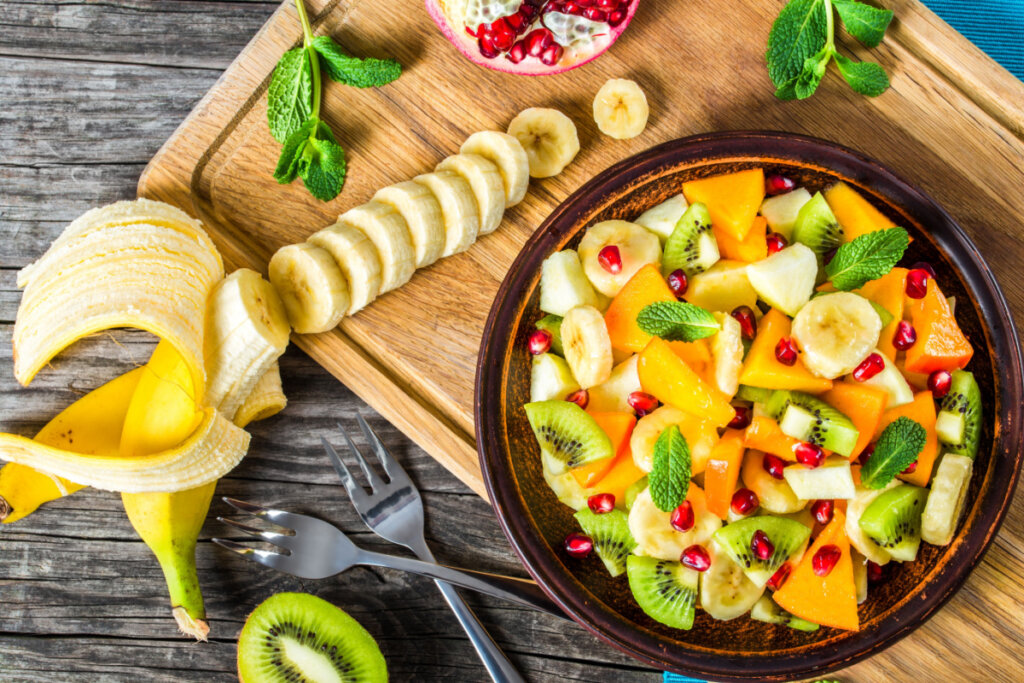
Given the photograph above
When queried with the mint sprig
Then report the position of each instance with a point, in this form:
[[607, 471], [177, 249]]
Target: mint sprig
[[677, 321], [670, 470], [866, 258], [898, 446], [802, 43]]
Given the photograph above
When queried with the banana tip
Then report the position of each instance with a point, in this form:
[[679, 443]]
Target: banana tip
[[197, 628]]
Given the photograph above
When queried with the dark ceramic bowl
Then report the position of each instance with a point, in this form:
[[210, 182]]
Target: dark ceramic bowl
[[742, 649]]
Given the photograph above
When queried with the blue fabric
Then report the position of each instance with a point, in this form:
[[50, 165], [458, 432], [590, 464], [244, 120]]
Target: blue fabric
[[996, 26]]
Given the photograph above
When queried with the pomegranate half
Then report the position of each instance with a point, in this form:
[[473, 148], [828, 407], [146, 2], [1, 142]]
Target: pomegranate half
[[532, 37]]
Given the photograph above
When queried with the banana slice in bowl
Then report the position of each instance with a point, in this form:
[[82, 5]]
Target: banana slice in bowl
[[636, 247], [836, 332]]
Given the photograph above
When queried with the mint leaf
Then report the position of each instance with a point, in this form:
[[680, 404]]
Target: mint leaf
[[867, 78], [322, 166], [670, 470], [898, 446], [290, 95], [814, 70], [866, 258], [864, 22], [677, 321], [360, 73], [288, 163], [799, 32]]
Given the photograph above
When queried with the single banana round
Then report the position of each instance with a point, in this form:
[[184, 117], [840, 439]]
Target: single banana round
[[549, 138], [620, 109], [458, 207], [311, 286], [637, 247], [652, 530], [508, 155], [422, 214], [357, 259], [945, 504], [387, 230], [485, 180], [836, 332], [725, 590], [701, 435], [727, 353], [587, 346], [775, 494]]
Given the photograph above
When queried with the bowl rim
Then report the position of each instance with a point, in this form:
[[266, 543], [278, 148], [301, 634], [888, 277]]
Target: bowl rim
[[996, 322]]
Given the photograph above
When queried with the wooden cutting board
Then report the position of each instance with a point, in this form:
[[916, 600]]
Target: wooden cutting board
[[953, 123]]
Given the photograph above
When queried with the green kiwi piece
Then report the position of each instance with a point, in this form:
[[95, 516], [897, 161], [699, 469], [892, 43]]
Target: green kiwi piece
[[610, 533], [810, 419], [299, 637], [691, 247], [633, 491], [817, 227], [565, 432], [963, 400], [553, 324], [753, 394], [893, 521], [788, 537], [665, 590], [882, 312], [768, 611]]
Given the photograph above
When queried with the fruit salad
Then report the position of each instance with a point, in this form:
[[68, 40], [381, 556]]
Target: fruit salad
[[750, 403]]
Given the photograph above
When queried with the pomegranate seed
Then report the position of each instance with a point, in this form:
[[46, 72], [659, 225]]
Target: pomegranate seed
[[785, 351], [825, 559], [516, 21], [744, 501], [616, 18], [748, 323], [779, 577], [868, 368], [742, 419], [778, 184], [939, 383], [678, 282], [822, 510], [539, 342], [776, 243], [537, 40], [580, 397], [571, 8], [773, 465], [552, 54], [809, 454], [911, 468], [610, 259], [517, 53], [926, 267], [578, 545], [595, 14], [641, 402], [875, 572], [585, 3], [866, 453], [905, 336], [607, 5], [487, 48], [696, 558], [503, 39], [917, 283], [761, 545], [601, 503], [496, 26], [682, 517]]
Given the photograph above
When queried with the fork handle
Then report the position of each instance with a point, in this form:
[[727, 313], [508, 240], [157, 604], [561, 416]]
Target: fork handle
[[519, 591]]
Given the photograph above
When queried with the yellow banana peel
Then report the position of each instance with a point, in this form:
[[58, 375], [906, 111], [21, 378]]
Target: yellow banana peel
[[266, 400]]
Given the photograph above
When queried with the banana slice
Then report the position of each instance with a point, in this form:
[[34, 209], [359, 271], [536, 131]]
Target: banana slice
[[458, 207], [508, 155], [775, 494], [620, 109], [311, 286], [422, 214], [485, 180], [357, 259], [549, 138], [701, 436], [387, 230], [637, 247], [654, 534], [727, 352], [836, 332], [945, 502], [725, 590], [587, 346]]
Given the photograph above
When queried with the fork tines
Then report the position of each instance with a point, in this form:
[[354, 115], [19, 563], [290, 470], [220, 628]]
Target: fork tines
[[395, 474]]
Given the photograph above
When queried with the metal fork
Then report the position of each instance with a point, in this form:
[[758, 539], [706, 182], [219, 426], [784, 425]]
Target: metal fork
[[394, 511]]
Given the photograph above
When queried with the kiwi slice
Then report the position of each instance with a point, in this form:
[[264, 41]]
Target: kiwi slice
[[665, 590], [810, 419], [767, 611], [893, 521], [567, 433], [553, 324], [753, 394], [299, 637], [817, 227], [959, 418], [633, 491], [691, 247], [787, 535], [610, 533]]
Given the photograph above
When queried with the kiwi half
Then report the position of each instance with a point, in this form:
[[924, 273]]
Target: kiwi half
[[294, 637], [691, 247], [817, 227], [787, 535], [961, 407], [665, 590], [633, 491], [553, 325], [893, 521], [567, 433], [810, 419], [767, 611], [610, 533]]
